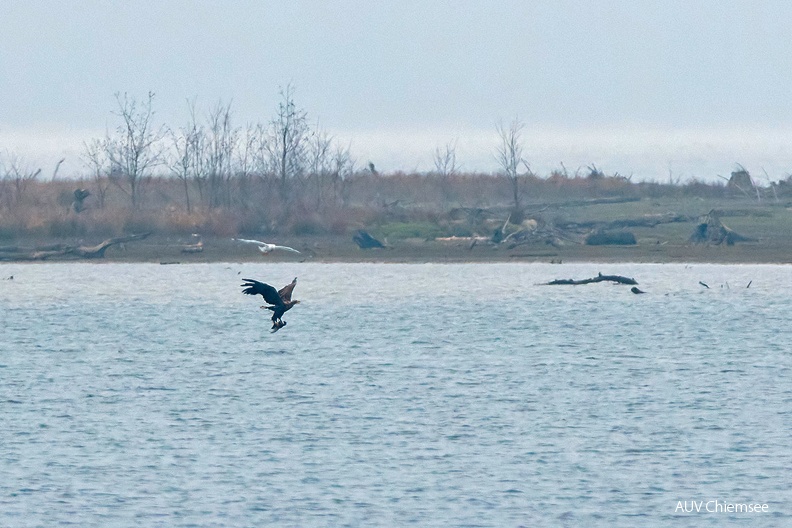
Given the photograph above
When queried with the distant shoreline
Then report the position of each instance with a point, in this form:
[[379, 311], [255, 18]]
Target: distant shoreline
[[338, 249]]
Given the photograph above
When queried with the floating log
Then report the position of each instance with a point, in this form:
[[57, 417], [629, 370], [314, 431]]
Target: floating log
[[618, 279]]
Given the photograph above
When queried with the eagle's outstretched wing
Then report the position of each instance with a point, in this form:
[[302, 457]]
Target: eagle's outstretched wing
[[270, 294], [286, 292]]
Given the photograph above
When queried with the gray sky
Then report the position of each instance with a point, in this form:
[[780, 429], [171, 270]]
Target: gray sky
[[643, 87]]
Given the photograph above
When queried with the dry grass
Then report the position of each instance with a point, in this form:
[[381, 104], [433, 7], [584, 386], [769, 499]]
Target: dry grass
[[391, 204]]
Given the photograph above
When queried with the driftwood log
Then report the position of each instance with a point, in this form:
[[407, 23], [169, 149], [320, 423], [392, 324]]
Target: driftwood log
[[584, 203], [193, 248], [196, 247], [618, 279], [651, 220], [63, 250]]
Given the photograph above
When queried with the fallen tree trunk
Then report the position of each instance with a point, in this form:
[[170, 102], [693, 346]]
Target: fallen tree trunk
[[21, 249], [583, 203], [645, 221], [618, 279], [62, 250], [98, 251]]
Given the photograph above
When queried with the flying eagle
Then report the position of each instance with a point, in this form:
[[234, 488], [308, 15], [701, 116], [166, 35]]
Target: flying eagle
[[265, 247], [280, 300]]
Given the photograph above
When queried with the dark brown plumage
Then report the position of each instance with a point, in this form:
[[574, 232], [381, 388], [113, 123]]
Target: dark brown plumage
[[280, 300]]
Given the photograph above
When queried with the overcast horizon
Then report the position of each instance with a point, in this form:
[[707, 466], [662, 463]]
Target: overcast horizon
[[644, 88]]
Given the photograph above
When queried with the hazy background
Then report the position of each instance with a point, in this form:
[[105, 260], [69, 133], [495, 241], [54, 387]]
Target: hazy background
[[635, 87]]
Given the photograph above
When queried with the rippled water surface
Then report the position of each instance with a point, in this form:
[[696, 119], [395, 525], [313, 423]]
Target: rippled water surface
[[423, 394]]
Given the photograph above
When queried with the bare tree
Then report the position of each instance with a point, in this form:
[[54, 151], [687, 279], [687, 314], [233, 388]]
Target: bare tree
[[446, 168], [187, 155], [181, 161], [245, 159], [95, 157], [4, 198], [510, 155], [287, 142], [199, 157], [343, 168], [57, 167], [221, 142], [261, 152], [17, 172], [136, 148], [320, 163]]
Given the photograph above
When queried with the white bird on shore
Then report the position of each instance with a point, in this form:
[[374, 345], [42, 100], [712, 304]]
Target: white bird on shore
[[265, 247]]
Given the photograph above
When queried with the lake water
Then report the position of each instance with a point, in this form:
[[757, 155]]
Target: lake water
[[398, 394]]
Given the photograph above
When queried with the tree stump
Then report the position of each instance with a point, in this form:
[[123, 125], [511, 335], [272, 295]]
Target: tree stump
[[710, 230]]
